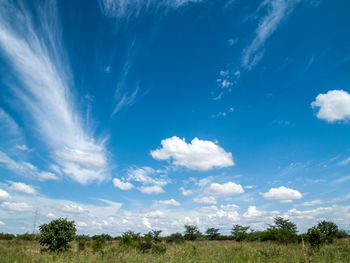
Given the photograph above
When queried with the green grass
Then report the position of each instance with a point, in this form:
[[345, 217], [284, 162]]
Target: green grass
[[201, 251]]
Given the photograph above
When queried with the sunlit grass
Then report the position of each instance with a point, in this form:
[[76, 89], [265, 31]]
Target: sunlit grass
[[200, 251]]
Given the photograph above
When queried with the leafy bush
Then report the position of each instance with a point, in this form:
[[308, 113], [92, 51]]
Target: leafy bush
[[5, 236], [81, 245], [57, 234], [97, 245], [102, 237], [191, 232], [175, 238], [239, 233], [159, 248], [27, 236], [315, 237], [212, 233], [130, 239], [323, 232], [283, 231]]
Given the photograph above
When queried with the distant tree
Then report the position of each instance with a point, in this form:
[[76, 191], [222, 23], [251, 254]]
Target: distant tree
[[281, 223], [315, 237], [155, 235], [212, 233], [175, 238], [130, 238], [239, 232], [323, 232], [192, 232], [329, 229], [57, 234], [283, 231]]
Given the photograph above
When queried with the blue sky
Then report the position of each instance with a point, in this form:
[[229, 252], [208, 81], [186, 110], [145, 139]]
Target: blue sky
[[138, 115]]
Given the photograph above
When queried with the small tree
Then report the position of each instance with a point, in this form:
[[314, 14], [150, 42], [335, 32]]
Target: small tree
[[155, 235], [323, 232], [212, 233], [329, 229], [239, 233], [191, 232], [315, 237], [57, 234], [281, 223], [283, 231]]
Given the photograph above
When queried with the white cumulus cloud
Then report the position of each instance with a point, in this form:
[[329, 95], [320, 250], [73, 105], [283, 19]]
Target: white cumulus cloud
[[207, 200], [18, 207], [4, 196], [282, 194], [198, 155], [22, 187], [122, 185], [333, 106], [156, 189], [169, 202], [226, 189]]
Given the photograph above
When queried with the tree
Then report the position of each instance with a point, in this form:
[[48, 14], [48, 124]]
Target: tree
[[154, 234], [281, 223], [323, 232], [57, 234], [191, 232], [315, 237], [239, 232], [283, 231], [329, 229], [212, 233]]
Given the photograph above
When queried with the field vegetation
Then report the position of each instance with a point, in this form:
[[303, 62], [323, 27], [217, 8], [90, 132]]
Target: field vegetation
[[280, 243]]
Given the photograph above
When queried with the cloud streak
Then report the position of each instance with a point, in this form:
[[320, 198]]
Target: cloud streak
[[33, 50], [278, 10]]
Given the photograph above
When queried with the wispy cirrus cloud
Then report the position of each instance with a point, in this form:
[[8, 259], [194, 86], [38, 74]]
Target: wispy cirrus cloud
[[125, 9], [25, 168], [38, 61], [277, 11]]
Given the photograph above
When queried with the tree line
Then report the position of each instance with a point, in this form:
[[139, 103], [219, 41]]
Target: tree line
[[56, 235]]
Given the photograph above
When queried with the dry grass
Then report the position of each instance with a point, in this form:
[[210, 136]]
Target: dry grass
[[206, 251]]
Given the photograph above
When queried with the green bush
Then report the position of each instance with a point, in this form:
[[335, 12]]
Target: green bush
[[97, 245], [159, 248], [212, 233], [323, 232], [5, 236], [315, 237], [192, 233], [81, 245], [175, 238], [57, 234], [27, 236]]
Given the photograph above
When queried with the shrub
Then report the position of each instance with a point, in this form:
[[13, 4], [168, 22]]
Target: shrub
[[57, 234], [283, 231], [81, 245], [315, 237], [5, 236], [159, 248], [323, 232], [212, 233], [97, 245], [239, 233], [102, 237], [191, 232], [130, 238], [175, 238], [27, 236], [329, 229]]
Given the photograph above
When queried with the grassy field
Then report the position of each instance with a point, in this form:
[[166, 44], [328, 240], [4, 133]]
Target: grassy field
[[201, 251]]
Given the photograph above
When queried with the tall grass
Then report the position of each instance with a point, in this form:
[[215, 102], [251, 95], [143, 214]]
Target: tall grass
[[200, 251]]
